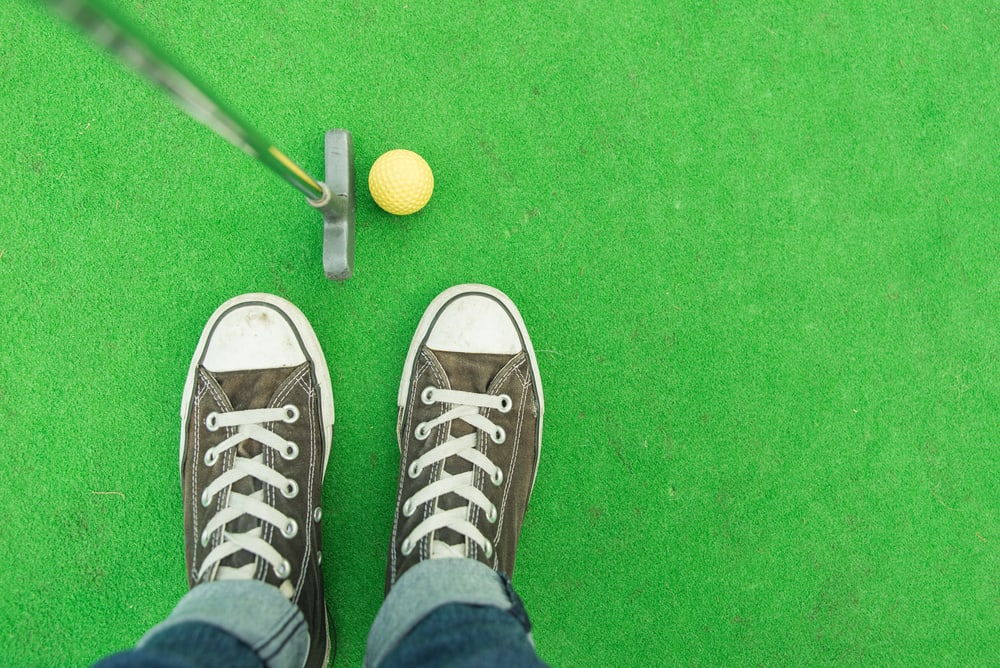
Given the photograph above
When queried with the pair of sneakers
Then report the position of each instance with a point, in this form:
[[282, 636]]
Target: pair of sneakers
[[256, 429]]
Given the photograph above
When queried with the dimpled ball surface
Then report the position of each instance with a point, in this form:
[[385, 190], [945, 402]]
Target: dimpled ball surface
[[401, 182]]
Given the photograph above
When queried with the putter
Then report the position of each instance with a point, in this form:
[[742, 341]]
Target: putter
[[333, 197]]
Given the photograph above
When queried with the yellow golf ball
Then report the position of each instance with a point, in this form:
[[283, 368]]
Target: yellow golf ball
[[401, 182]]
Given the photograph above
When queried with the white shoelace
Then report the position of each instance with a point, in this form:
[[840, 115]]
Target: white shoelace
[[466, 407], [249, 425]]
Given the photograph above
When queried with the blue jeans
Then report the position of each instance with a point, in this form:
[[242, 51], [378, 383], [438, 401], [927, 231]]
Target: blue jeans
[[442, 612]]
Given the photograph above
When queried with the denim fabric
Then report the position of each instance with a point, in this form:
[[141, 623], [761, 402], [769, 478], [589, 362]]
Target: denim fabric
[[442, 612], [187, 645], [465, 636], [489, 618], [253, 614]]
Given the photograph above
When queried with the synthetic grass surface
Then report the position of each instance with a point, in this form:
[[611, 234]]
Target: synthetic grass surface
[[755, 245]]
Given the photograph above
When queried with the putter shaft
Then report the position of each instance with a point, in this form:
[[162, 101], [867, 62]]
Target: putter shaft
[[115, 33]]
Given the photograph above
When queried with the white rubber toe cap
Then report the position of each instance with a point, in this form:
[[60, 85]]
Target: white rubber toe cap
[[475, 324], [252, 335]]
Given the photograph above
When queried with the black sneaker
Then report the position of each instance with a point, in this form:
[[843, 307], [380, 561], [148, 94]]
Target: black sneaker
[[470, 433], [256, 427]]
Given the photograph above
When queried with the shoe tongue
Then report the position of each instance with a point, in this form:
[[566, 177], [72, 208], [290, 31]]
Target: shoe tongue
[[467, 372], [249, 390], [470, 372]]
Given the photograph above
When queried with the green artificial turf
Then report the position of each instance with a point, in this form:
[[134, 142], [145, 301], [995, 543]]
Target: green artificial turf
[[755, 244]]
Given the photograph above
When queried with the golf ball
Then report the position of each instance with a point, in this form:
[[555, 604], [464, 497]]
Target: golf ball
[[401, 182]]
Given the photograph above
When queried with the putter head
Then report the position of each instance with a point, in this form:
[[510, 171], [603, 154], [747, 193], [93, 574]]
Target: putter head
[[337, 206]]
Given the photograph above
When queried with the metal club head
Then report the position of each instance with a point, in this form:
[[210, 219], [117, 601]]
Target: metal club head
[[337, 206]]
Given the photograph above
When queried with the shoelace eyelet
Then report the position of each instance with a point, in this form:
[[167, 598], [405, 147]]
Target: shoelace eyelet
[[210, 457], [206, 499], [290, 452], [407, 547], [488, 550], [491, 516], [291, 413], [498, 436], [497, 477], [422, 432], [408, 508], [291, 529], [204, 538], [427, 396], [291, 490], [284, 569], [505, 403], [414, 470], [317, 514], [212, 421]]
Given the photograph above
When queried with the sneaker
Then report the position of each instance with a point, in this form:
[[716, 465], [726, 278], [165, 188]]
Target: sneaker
[[470, 433], [256, 427]]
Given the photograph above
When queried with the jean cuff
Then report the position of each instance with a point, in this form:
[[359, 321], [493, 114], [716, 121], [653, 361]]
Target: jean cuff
[[426, 587], [276, 630]]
